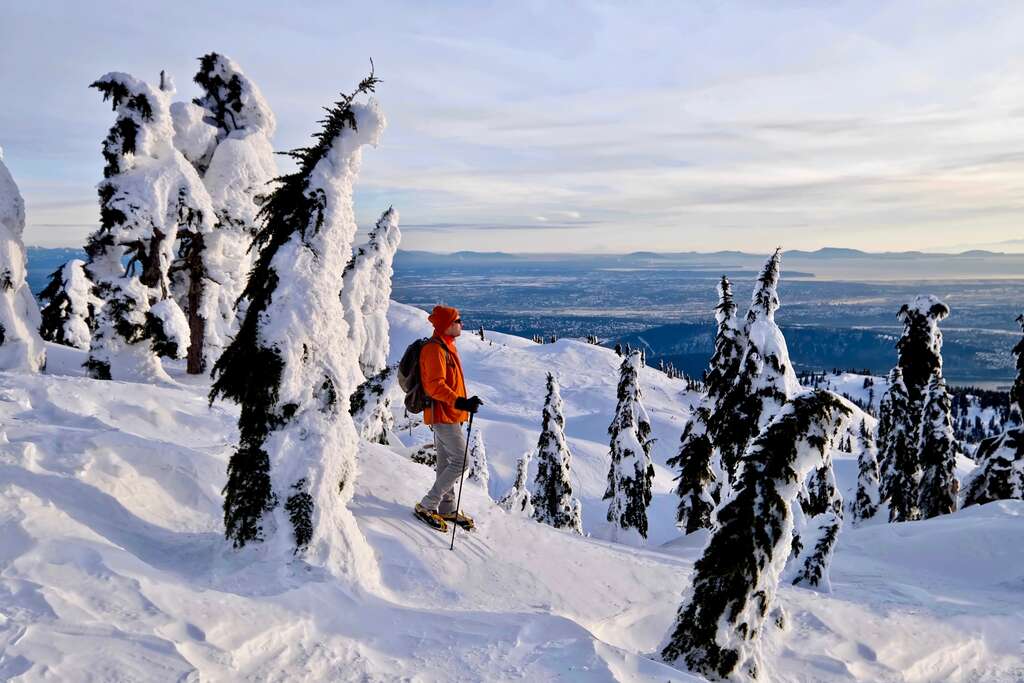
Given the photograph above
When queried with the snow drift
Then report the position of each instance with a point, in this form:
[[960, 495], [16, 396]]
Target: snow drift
[[113, 562]]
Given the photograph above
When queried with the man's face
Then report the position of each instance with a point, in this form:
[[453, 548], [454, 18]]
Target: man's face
[[455, 329]]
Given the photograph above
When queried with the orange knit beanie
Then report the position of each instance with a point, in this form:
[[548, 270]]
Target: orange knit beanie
[[442, 318]]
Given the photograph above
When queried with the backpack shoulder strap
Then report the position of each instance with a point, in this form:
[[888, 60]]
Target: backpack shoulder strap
[[435, 340]]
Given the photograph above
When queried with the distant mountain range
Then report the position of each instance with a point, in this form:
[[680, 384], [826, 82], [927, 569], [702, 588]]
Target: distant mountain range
[[829, 263]]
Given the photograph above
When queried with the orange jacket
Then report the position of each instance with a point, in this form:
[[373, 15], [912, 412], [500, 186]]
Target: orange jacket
[[442, 379]]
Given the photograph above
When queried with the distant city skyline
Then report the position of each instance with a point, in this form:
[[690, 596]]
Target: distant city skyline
[[579, 127]]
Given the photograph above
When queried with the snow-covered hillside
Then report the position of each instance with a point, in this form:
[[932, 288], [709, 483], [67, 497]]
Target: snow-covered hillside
[[113, 564]]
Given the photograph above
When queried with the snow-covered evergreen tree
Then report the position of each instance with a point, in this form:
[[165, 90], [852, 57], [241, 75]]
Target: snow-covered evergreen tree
[[1000, 472], [729, 344], [370, 407], [149, 191], [367, 291], [719, 625], [553, 500], [70, 306], [817, 527], [476, 469], [900, 469], [764, 379], [937, 451], [867, 498], [631, 470], [696, 479], [517, 498], [21, 347], [225, 133], [1016, 416], [697, 483], [294, 470], [920, 346]]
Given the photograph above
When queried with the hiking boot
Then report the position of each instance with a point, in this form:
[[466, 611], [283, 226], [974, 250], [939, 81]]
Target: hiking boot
[[463, 520], [430, 518]]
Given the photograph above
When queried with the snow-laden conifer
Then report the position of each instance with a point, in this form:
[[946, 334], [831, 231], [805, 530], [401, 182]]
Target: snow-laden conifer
[[817, 527], [517, 498], [900, 470], [370, 407], [697, 484], [70, 306], [149, 192], [367, 291], [729, 344], [867, 497], [21, 347], [1000, 472], [764, 379], [937, 452], [631, 470], [294, 469], [225, 133], [720, 623], [920, 346], [476, 469], [553, 499], [696, 479], [1017, 390]]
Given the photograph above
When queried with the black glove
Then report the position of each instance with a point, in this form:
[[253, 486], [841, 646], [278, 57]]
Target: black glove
[[468, 404]]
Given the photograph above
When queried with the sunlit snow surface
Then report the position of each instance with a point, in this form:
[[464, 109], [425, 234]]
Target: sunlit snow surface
[[113, 565]]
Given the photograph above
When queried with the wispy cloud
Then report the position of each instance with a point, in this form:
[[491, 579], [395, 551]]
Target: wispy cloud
[[472, 227]]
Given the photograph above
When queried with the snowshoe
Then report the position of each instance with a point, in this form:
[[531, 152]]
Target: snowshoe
[[463, 520], [430, 518]]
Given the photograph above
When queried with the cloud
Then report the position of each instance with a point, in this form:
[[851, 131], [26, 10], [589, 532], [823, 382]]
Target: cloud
[[448, 227]]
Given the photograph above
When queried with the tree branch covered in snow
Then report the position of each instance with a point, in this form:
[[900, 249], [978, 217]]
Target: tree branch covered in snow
[[370, 406], [820, 520]]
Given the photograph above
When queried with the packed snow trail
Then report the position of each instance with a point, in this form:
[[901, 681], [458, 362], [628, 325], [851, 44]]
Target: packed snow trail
[[113, 564]]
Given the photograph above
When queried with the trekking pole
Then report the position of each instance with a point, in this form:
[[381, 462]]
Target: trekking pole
[[458, 501]]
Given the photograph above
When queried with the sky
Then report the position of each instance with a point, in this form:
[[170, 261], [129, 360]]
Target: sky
[[578, 127]]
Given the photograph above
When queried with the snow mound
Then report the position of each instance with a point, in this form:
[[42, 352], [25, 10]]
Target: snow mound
[[113, 563]]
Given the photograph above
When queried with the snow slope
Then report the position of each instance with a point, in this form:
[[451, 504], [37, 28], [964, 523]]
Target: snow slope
[[113, 565]]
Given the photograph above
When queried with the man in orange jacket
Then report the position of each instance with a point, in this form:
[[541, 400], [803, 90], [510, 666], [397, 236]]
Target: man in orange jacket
[[442, 379]]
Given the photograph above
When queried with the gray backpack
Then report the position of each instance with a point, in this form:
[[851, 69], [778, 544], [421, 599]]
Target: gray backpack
[[416, 399]]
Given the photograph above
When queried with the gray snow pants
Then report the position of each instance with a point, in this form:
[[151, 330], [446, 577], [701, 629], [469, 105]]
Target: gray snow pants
[[450, 443]]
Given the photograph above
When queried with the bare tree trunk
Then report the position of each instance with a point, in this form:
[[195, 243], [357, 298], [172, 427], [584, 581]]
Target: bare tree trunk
[[196, 323], [150, 262]]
